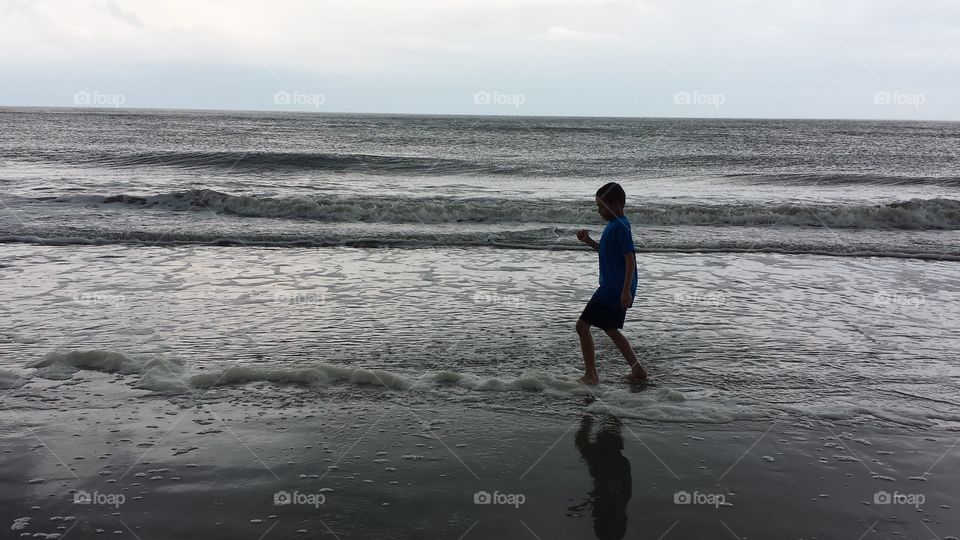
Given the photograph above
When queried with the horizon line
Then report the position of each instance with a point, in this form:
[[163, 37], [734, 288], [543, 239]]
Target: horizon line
[[356, 113]]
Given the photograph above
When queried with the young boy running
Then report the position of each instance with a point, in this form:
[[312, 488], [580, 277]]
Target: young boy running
[[618, 284]]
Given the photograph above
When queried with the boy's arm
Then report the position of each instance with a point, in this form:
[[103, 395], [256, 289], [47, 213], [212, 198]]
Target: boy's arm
[[626, 299]]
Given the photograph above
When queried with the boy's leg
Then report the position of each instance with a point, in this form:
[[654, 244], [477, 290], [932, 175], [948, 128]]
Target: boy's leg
[[620, 340], [589, 359]]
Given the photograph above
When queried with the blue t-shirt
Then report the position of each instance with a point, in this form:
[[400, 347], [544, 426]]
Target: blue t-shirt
[[615, 242]]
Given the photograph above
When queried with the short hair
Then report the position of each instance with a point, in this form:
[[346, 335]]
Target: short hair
[[612, 193]]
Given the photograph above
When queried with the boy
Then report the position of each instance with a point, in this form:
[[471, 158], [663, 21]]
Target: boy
[[618, 284]]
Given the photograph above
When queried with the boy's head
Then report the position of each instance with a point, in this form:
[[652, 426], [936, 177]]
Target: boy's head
[[610, 200]]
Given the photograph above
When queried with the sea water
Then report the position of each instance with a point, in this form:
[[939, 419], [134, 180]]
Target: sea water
[[787, 268]]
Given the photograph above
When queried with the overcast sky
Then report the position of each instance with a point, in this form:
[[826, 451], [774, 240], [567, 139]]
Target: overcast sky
[[705, 58]]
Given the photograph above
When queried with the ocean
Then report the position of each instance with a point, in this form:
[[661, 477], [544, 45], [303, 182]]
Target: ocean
[[794, 273], [728, 186], [792, 256]]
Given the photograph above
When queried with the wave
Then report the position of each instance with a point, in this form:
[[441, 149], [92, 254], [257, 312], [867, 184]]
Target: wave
[[260, 161], [171, 377], [918, 228], [914, 214], [755, 169], [539, 239], [842, 179], [10, 380]]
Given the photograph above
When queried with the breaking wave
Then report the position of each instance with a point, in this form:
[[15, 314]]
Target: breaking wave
[[913, 214]]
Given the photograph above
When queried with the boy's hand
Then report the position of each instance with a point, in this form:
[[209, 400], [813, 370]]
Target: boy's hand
[[584, 236], [626, 300]]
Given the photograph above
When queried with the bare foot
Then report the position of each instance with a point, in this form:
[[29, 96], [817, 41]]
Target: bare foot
[[589, 379], [637, 374]]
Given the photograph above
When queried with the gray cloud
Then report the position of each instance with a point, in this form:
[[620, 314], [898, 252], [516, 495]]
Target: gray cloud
[[802, 58]]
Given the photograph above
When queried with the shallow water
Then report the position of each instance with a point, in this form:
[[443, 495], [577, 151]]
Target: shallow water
[[727, 336]]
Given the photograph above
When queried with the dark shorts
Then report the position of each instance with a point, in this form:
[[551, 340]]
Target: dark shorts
[[602, 314]]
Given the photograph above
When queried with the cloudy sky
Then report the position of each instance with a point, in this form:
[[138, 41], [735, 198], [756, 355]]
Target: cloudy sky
[[706, 58]]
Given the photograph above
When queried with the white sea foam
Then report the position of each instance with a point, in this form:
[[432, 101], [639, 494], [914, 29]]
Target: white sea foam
[[169, 376], [156, 374], [9, 380], [662, 404], [667, 405], [843, 410], [315, 374], [528, 381], [162, 375], [63, 364]]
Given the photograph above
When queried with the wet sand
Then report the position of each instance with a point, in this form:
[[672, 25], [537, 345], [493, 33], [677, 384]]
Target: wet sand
[[214, 467]]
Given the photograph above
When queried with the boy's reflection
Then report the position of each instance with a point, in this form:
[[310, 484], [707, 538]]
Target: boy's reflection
[[610, 470]]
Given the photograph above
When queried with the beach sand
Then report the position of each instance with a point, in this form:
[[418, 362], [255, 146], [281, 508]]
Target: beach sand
[[209, 465]]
